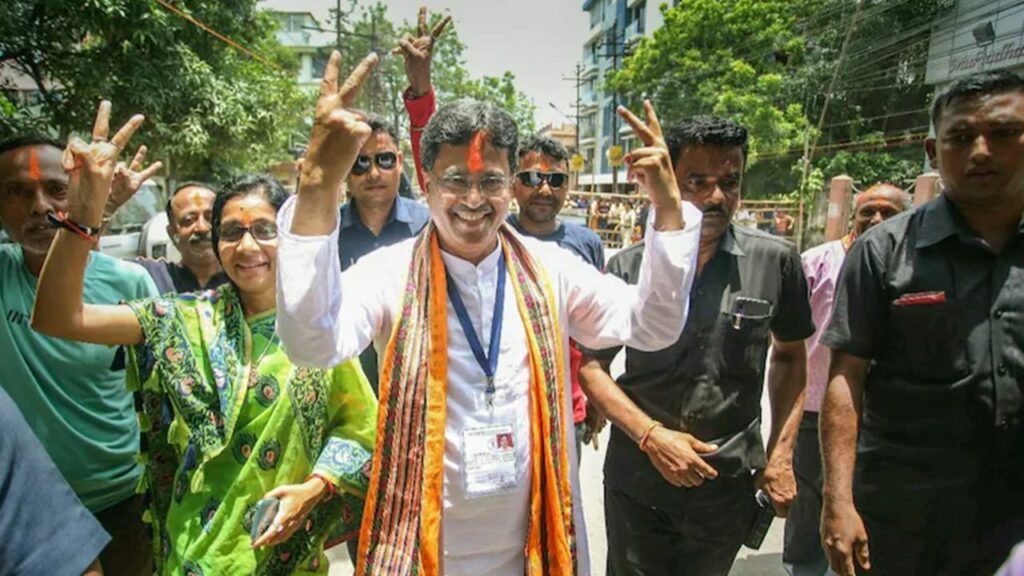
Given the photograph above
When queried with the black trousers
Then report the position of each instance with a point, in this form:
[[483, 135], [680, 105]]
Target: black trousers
[[803, 553], [698, 534], [966, 531]]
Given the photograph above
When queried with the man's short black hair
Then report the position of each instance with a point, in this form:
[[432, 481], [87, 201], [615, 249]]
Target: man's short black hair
[[457, 122], [982, 84], [379, 124], [545, 145], [179, 188], [34, 139], [705, 131]]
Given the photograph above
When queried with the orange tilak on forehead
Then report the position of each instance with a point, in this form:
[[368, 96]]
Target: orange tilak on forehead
[[246, 218], [33, 165], [475, 154], [197, 197]]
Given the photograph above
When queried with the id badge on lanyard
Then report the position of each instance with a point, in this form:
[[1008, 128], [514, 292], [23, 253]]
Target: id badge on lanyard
[[489, 460]]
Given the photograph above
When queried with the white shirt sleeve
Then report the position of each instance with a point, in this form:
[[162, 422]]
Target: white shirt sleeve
[[318, 326], [604, 311]]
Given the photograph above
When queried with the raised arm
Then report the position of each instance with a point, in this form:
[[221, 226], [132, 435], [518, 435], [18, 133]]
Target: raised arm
[[319, 327], [605, 311], [419, 96], [59, 309], [339, 131]]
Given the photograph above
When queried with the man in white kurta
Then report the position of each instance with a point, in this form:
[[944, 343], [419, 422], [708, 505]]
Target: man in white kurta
[[326, 316]]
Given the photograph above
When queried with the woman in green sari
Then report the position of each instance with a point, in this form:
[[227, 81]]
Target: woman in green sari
[[227, 419]]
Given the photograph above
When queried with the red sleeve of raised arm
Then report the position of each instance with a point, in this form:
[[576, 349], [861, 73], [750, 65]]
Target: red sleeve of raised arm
[[420, 110]]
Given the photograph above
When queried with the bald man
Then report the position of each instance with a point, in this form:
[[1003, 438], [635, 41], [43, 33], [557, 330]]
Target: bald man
[[803, 554]]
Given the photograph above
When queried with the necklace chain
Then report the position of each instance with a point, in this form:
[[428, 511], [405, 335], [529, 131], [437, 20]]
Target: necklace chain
[[270, 344]]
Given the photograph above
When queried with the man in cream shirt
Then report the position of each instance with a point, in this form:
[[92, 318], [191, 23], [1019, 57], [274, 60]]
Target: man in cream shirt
[[501, 345]]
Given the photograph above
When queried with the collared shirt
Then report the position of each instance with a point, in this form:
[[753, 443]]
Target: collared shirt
[[355, 240], [941, 317], [173, 278], [709, 381], [586, 244], [821, 267], [325, 316]]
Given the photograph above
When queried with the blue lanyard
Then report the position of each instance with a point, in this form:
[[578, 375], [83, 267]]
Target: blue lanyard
[[488, 363]]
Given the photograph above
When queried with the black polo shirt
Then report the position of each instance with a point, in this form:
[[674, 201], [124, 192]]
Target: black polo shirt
[[709, 382], [941, 317], [173, 278]]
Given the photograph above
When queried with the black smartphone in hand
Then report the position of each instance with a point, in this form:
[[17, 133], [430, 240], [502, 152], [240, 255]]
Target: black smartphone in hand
[[263, 516]]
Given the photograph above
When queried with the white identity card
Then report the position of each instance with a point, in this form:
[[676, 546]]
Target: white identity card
[[489, 460]]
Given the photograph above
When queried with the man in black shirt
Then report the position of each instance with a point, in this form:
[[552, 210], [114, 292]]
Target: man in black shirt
[[686, 454], [189, 209], [921, 424]]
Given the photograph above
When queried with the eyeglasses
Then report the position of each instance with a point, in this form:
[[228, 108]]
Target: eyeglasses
[[262, 231], [384, 161], [488, 185], [535, 179]]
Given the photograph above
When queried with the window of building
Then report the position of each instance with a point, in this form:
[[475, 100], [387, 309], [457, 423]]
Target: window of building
[[596, 14], [318, 64]]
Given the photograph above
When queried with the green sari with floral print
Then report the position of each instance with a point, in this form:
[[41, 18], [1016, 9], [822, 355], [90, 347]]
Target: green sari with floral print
[[226, 417]]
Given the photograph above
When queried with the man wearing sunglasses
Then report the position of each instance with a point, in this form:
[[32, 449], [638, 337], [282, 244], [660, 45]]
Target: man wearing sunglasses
[[686, 457], [540, 188], [375, 215]]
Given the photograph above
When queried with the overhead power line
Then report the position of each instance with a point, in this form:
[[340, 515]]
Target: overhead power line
[[174, 10]]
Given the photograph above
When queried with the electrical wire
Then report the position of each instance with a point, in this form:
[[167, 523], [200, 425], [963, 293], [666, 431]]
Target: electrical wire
[[221, 37]]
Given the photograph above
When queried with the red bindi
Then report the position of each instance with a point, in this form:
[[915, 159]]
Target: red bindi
[[33, 165], [475, 154]]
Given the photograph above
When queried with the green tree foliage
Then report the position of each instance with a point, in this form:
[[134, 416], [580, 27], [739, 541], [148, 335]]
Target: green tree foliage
[[450, 77], [210, 109], [769, 63]]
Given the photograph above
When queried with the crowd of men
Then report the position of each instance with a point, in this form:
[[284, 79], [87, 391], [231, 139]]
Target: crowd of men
[[892, 357]]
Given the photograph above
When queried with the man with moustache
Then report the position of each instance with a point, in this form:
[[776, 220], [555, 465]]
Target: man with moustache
[[475, 321], [686, 454], [189, 209], [72, 395], [540, 188], [921, 425], [803, 554]]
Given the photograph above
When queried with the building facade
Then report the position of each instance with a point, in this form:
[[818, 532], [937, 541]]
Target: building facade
[[977, 36], [615, 27]]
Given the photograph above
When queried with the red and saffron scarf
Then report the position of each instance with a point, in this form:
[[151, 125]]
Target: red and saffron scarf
[[401, 530]]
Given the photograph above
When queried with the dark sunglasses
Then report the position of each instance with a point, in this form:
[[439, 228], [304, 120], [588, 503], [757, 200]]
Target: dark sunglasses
[[535, 178], [262, 231], [384, 160]]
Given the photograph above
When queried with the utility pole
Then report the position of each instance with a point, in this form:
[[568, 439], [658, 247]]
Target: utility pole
[[811, 143], [618, 50]]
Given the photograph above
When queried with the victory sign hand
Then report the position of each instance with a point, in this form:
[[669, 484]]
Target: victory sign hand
[[339, 131], [418, 52], [91, 166], [128, 178], [651, 165]]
